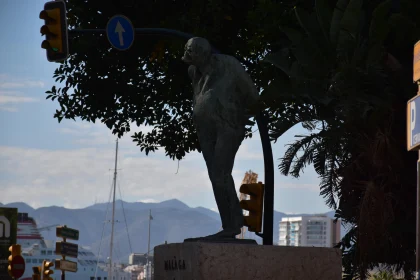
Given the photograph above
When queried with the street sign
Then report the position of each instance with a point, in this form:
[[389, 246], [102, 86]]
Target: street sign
[[66, 249], [8, 234], [66, 265], [413, 124], [65, 232], [416, 62], [120, 32], [17, 267]]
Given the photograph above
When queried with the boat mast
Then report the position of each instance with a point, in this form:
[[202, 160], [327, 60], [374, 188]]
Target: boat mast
[[148, 249], [113, 213]]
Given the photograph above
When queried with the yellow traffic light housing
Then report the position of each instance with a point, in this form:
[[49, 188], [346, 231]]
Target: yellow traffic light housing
[[37, 273], [15, 250], [254, 205], [46, 270], [55, 30]]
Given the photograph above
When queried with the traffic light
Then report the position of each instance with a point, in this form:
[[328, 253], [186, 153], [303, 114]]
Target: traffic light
[[55, 30], [254, 205], [46, 270], [14, 253], [37, 273]]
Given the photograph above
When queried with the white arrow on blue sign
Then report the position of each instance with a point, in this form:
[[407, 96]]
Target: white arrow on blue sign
[[120, 32], [413, 124]]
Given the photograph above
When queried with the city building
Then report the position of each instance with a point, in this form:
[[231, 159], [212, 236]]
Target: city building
[[309, 231], [139, 259]]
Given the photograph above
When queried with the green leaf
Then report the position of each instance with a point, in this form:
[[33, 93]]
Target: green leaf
[[324, 15], [379, 25], [294, 35], [281, 60], [309, 23], [311, 63], [351, 19], [336, 20], [378, 32], [276, 90]]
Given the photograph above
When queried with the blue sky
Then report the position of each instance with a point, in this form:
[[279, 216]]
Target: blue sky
[[45, 163]]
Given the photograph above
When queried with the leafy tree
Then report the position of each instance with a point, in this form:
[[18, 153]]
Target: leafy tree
[[148, 84], [348, 74]]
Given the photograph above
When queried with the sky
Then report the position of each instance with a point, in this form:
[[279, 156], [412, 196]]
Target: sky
[[69, 164]]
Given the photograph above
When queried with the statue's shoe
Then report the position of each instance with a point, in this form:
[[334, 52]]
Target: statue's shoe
[[226, 234]]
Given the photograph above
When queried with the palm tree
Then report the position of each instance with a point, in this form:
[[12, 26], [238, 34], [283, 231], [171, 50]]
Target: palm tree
[[343, 84]]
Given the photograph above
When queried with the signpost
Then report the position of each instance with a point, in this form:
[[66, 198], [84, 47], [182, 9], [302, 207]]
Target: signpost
[[66, 249], [66, 265], [8, 235], [416, 62], [413, 124], [120, 32], [413, 142], [69, 233]]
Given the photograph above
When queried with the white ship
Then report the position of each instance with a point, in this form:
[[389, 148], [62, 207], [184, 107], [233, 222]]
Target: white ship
[[35, 249]]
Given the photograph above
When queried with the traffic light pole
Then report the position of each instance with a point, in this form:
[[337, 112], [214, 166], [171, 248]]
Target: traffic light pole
[[267, 235], [262, 123], [63, 273]]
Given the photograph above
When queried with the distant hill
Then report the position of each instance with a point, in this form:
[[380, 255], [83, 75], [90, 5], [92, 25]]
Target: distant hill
[[173, 221], [208, 212], [22, 207]]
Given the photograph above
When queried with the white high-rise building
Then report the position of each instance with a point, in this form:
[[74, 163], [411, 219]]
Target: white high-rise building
[[309, 231]]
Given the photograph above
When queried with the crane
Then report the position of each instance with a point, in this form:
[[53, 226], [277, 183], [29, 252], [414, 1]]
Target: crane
[[47, 228]]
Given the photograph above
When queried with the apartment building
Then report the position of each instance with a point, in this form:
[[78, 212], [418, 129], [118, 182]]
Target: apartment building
[[309, 231]]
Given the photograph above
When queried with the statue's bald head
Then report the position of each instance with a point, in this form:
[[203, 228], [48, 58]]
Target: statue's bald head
[[197, 51]]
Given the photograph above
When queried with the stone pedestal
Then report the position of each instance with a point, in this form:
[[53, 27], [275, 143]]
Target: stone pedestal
[[223, 261]]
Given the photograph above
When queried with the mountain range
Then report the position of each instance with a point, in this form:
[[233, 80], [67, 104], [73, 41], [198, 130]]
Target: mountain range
[[172, 221]]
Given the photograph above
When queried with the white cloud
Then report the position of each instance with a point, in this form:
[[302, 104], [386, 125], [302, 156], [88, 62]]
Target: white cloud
[[19, 83], [8, 96], [15, 99], [248, 152], [8, 109], [76, 177]]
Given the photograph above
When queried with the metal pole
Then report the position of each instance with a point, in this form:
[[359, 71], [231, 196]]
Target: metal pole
[[63, 273], [113, 212], [148, 247], [418, 222], [269, 179]]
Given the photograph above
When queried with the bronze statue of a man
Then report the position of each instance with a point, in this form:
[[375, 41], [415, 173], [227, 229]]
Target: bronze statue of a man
[[223, 93]]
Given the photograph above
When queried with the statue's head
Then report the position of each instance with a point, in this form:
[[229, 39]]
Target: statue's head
[[197, 51]]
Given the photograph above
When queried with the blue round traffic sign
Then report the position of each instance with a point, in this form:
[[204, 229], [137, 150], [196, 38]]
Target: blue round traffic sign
[[120, 32]]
